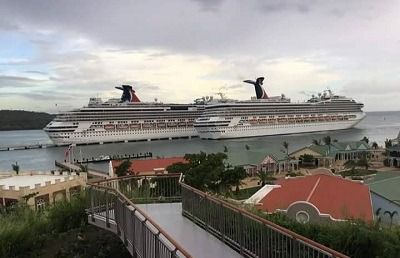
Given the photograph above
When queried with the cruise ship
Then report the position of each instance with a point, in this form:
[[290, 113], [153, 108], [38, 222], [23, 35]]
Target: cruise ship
[[125, 119], [266, 115]]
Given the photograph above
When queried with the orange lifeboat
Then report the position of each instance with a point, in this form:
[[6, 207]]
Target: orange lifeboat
[[109, 127]]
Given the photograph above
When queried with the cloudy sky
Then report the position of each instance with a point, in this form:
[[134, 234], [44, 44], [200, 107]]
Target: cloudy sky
[[56, 54]]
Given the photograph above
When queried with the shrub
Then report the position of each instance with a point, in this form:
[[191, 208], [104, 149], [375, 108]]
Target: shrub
[[23, 231]]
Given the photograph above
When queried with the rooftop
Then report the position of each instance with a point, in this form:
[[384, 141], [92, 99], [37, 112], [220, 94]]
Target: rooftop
[[150, 165], [335, 147], [27, 180], [386, 184], [338, 197]]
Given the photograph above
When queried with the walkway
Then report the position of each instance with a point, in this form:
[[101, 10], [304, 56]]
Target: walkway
[[185, 232], [146, 213]]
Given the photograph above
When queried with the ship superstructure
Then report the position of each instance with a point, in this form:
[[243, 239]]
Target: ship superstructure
[[277, 115], [125, 119]]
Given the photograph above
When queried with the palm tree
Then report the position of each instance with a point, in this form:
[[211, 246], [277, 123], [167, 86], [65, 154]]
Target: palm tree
[[285, 145], [15, 167], [391, 215], [263, 176], [316, 142], [328, 141]]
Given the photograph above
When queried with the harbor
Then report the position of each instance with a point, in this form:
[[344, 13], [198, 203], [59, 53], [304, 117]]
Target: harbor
[[377, 126]]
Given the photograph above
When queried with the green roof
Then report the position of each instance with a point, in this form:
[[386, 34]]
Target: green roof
[[337, 147], [386, 184]]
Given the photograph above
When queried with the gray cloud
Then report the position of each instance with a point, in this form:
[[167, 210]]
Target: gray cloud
[[7, 80], [356, 41]]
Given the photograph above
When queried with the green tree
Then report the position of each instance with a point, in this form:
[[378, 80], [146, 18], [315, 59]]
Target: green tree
[[363, 162], [307, 160], [232, 177], [375, 145], [123, 168], [365, 139], [350, 164], [177, 168], [204, 170], [15, 167], [388, 143], [84, 168]]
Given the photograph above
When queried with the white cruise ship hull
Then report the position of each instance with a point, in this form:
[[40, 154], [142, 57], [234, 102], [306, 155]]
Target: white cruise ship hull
[[121, 136], [241, 131]]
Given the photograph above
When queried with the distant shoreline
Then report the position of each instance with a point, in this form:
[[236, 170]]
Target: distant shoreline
[[12, 120]]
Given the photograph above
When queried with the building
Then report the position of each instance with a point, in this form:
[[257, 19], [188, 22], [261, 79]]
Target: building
[[316, 198], [393, 158], [385, 194], [335, 154], [150, 166], [393, 153], [40, 189], [251, 169], [277, 163]]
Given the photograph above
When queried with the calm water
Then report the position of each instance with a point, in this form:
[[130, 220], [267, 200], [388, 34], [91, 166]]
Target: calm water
[[377, 126]]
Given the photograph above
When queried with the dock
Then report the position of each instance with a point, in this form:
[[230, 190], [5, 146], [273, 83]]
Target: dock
[[51, 145], [144, 155], [76, 168]]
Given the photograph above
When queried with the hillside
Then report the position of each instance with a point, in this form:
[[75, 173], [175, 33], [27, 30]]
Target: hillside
[[23, 120]]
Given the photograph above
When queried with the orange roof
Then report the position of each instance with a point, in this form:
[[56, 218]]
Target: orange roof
[[149, 165], [338, 197]]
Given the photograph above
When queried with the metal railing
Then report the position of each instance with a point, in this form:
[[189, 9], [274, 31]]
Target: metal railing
[[113, 203], [110, 206], [147, 189], [245, 232]]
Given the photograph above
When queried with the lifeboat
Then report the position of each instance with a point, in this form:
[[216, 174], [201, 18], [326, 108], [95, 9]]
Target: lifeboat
[[135, 126], [122, 127], [148, 126], [161, 125], [109, 127]]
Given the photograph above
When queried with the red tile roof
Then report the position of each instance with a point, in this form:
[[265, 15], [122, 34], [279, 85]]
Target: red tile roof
[[338, 197], [148, 165]]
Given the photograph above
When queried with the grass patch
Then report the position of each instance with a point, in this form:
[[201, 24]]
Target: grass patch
[[243, 194]]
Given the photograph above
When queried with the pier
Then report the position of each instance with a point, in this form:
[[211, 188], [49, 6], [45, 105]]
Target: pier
[[76, 168], [52, 145], [115, 157]]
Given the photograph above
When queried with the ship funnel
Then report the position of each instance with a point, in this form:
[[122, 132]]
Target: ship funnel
[[260, 92], [128, 94]]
